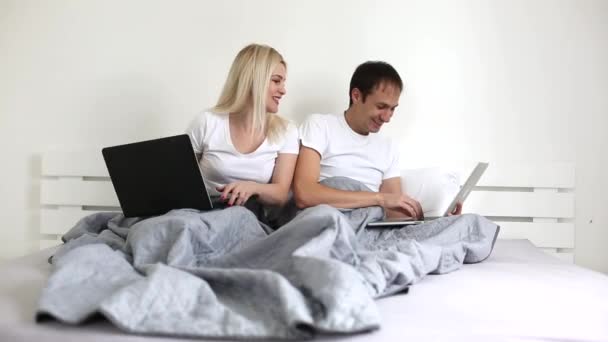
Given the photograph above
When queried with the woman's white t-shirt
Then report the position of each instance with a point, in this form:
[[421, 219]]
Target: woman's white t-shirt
[[369, 159], [222, 164]]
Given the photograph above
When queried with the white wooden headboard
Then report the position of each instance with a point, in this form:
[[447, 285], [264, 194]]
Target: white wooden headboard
[[73, 185], [531, 201]]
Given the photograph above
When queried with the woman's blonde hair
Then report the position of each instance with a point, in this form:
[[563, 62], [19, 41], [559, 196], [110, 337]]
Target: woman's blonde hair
[[247, 85]]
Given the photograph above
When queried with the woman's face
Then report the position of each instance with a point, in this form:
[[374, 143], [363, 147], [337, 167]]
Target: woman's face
[[276, 88]]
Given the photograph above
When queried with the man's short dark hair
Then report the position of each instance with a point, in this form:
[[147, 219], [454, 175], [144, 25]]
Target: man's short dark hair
[[369, 75]]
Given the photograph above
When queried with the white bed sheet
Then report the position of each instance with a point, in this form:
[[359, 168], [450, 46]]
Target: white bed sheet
[[518, 294]]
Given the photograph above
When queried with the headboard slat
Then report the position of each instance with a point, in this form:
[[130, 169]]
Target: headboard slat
[[70, 192], [78, 163], [550, 235], [58, 221], [520, 204], [557, 175]]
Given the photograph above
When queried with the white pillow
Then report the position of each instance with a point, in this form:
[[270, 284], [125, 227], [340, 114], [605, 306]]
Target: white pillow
[[433, 187]]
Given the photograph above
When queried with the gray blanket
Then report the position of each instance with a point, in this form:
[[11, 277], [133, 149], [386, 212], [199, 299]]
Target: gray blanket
[[220, 274]]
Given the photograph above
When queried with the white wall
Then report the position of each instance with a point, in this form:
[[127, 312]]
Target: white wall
[[492, 80]]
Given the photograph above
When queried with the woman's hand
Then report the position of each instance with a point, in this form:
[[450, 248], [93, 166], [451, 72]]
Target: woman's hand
[[238, 193]]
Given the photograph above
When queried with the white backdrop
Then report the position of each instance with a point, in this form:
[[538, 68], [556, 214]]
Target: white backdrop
[[485, 80]]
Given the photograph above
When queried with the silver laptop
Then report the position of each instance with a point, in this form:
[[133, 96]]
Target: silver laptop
[[459, 198]]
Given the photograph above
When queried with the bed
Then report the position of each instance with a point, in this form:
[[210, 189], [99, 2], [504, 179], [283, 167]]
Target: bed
[[527, 290], [519, 294]]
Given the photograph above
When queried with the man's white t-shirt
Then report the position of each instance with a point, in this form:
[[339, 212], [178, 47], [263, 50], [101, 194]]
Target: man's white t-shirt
[[369, 159], [222, 164]]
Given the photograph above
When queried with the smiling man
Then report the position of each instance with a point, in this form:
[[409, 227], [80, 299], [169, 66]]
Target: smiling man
[[348, 145]]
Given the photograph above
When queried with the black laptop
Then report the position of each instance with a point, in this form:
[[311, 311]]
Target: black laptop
[[155, 176]]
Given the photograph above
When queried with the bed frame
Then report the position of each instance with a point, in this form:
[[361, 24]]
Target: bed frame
[[533, 201]]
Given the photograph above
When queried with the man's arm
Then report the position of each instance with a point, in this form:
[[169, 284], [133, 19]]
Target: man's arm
[[393, 186], [457, 210], [308, 192]]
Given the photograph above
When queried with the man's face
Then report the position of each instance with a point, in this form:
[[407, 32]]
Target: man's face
[[378, 107]]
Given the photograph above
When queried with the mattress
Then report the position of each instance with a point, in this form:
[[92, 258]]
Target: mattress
[[518, 294]]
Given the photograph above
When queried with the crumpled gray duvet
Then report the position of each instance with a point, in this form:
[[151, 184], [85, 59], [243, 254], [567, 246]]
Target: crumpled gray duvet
[[221, 274]]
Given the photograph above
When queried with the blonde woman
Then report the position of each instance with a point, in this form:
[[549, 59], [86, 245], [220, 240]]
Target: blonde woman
[[245, 148]]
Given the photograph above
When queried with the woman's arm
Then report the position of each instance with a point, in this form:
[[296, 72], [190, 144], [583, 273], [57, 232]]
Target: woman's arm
[[277, 191], [274, 193]]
